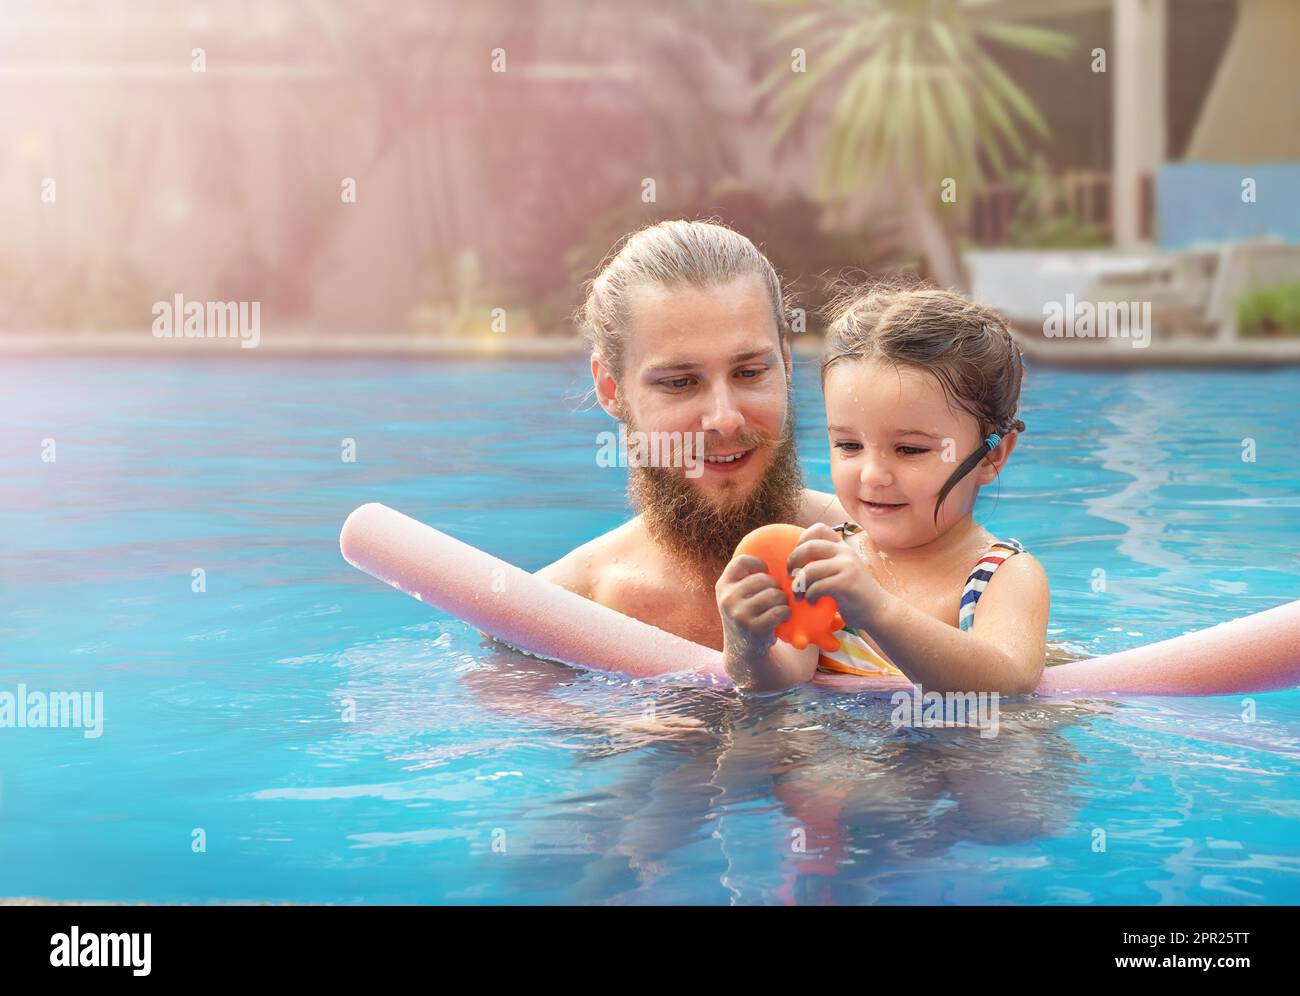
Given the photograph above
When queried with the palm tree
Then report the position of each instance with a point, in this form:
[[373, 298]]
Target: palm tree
[[920, 99]]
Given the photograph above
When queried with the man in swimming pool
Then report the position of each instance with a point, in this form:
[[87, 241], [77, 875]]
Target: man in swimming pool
[[689, 335]]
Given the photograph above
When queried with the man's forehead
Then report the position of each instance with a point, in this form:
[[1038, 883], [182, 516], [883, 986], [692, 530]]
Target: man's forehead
[[697, 326]]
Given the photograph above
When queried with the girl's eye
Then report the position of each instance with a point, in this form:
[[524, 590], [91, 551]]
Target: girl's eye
[[848, 447], [912, 450]]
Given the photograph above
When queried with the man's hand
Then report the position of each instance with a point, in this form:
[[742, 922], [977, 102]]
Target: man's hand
[[830, 567]]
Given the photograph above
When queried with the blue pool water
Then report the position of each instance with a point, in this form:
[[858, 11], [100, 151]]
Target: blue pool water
[[471, 774]]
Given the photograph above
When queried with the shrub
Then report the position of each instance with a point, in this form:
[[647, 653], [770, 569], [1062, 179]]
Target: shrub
[[1270, 311]]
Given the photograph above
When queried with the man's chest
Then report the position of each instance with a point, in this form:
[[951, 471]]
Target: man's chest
[[680, 606]]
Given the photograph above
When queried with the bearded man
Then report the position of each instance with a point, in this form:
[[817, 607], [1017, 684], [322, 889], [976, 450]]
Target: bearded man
[[689, 335]]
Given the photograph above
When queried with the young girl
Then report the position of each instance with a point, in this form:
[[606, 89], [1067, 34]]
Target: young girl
[[921, 393]]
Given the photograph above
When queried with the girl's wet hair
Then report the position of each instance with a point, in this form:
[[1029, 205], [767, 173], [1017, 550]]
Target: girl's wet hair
[[968, 348]]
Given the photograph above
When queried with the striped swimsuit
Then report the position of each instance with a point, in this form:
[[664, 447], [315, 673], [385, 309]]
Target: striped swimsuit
[[857, 656]]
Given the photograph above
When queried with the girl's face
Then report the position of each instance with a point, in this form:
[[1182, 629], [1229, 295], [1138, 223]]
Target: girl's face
[[895, 440]]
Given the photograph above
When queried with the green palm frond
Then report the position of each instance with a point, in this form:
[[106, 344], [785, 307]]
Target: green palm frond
[[911, 86], [1039, 41]]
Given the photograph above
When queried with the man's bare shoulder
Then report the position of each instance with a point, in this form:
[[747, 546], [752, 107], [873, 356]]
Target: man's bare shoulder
[[581, 569], [818, 506]]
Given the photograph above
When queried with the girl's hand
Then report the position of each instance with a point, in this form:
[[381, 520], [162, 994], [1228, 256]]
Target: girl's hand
[[751, 604], [830, 567]]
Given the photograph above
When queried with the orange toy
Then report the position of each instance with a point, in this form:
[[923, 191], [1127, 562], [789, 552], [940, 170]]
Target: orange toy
[[809, 622]]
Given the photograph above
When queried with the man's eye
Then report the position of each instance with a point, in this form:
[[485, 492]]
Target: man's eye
[[676, 383], [753, 372], [912, 450]]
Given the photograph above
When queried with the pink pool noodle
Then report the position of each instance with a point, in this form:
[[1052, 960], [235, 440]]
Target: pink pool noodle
[[511, 604], [1254, 654]]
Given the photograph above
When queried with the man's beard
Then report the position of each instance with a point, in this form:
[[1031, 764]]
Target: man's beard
[[702, 529]]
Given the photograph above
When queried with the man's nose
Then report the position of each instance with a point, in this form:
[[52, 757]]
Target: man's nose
[[723, 415]]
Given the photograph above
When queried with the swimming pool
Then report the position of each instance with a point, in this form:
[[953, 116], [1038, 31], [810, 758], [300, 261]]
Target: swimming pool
[[299, 732]]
